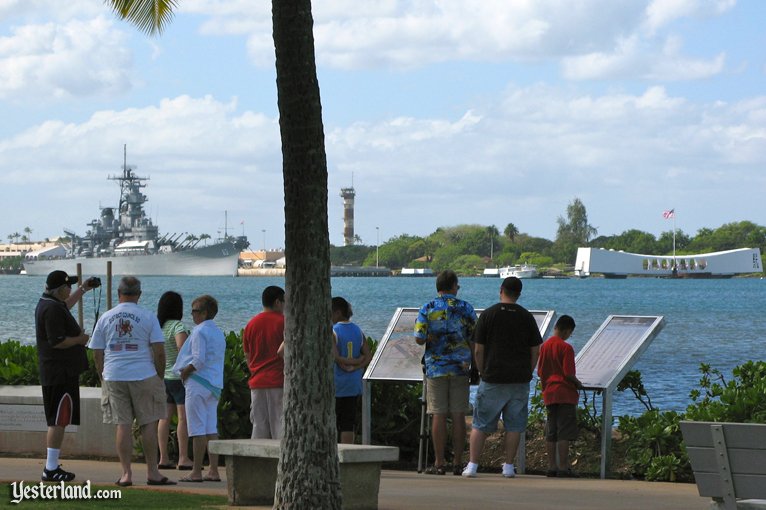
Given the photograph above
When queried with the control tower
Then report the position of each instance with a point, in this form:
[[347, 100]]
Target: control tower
[[348, 195]]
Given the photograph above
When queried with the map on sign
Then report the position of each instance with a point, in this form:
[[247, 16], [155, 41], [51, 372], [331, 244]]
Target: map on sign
[[614, 348], [398, 357]]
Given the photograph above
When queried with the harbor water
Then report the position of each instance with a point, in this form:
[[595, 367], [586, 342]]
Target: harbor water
[[719, 322]]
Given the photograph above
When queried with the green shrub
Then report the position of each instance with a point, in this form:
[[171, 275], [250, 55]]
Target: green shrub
[[741, 400], [396, 411], [18, 364], [654, 448], [234, 406], [90, 377]]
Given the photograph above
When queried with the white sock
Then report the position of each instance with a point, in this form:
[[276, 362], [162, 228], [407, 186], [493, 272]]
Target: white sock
[[508, 468], [472, 466], [52, 462]]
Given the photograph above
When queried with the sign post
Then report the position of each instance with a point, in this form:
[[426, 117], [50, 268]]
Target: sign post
[[610, 354]]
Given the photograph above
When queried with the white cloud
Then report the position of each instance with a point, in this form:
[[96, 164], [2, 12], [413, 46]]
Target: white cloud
[[596, 39], [631, 59], [76, 58], [203, 156], [529, 155], [520, 158], [413, 33], [660, 13], [26, 10]]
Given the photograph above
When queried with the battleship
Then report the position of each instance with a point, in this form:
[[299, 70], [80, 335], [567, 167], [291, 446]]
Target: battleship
[[127, 237]]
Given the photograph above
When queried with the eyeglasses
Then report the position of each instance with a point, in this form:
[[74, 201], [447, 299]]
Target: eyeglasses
[[197, 310]]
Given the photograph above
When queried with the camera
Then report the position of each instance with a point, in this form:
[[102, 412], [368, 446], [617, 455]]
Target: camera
[[94, 281]]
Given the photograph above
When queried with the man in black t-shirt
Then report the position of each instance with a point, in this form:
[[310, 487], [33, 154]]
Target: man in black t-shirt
[[61, 358], [507, 343]]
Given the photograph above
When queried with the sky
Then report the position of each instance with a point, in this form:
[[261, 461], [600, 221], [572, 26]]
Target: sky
[[438, 112]]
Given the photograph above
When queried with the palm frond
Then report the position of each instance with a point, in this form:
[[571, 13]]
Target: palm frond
[[149, 16]]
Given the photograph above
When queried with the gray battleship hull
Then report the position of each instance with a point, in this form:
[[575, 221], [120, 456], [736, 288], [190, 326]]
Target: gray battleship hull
[[216, 260]]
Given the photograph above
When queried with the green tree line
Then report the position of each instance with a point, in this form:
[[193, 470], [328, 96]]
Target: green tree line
[[469, 249]]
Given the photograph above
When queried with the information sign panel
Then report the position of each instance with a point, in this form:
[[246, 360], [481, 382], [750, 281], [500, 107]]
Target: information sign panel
[[614, 348], [398, 356]]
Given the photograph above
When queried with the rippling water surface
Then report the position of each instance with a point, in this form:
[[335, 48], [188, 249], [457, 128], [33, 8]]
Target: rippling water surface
[[720, 322]]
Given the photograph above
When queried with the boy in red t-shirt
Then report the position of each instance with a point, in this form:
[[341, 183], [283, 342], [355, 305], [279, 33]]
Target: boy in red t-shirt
[[263, 343], [556, 369]]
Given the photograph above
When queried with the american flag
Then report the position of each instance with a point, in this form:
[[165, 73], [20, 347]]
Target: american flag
[[668, 215]]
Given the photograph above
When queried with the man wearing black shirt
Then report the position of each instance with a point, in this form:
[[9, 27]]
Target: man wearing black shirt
[[507, 344], [61, 358]]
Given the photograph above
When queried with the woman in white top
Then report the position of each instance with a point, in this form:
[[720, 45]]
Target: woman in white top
[[200, 365]]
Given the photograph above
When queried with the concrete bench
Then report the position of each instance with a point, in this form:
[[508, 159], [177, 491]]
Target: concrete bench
[[729, 462], [251, 471]]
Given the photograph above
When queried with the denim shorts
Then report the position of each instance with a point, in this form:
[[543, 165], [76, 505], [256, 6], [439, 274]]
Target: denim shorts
[[496, 400], [174, 390]]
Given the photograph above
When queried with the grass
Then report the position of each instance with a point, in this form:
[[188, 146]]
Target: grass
[[131, 498]]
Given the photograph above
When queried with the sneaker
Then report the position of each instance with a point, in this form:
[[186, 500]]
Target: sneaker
[[470, 470], [509, 471], [57, 475]]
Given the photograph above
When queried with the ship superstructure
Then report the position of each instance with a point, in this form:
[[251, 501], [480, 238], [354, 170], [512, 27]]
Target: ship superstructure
[[127, 236]]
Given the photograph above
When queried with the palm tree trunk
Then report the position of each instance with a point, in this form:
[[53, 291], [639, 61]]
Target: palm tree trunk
[[308, 465]]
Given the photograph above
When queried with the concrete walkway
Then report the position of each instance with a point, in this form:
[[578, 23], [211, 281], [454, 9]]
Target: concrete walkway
[[403, 490]]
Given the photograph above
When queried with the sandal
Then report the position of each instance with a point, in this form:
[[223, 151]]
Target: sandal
[[162, 481], [190, 479], [436, 470]]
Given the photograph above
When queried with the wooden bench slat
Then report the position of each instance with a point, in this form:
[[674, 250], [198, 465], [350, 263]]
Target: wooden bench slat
[[741, 461], [728, 459], [738, 435], [745, 486]]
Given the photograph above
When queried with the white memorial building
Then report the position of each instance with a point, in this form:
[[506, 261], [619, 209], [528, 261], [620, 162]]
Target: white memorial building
[[619, 264]]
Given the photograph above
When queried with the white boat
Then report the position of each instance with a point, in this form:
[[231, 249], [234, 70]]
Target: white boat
[[521, 272]]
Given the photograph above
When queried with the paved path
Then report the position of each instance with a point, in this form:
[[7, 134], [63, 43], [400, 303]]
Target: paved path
[[404, 490]]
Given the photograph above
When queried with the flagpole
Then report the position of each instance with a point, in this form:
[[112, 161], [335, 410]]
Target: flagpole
[[675, 271]]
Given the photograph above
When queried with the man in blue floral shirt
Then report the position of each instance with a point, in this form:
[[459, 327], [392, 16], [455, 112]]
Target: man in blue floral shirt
[[445, 326]]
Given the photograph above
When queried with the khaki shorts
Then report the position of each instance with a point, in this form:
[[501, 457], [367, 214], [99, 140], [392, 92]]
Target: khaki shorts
[[447, 395], [266, 413], [125, 401], [561, 424]]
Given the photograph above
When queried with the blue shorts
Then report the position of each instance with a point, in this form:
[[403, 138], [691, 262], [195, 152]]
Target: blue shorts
[[494, 400], [175, 392]]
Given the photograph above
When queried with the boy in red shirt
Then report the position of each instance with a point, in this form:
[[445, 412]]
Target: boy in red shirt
[[263, 343], [556, 369]]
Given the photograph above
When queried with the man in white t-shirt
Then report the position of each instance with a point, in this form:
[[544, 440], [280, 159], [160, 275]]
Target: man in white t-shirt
[[128, 348]]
